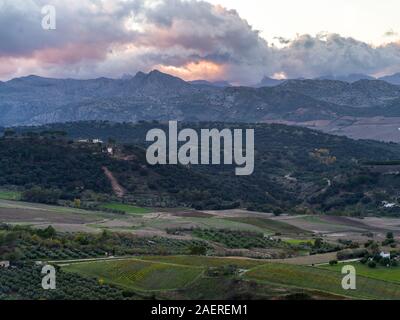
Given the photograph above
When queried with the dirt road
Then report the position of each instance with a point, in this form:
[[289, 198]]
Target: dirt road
[[117, 188]]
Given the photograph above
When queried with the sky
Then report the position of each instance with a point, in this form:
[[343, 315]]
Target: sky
[[240, 41], [366, 20]]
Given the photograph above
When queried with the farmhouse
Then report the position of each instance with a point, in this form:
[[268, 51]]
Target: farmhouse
[[388, 204], [94, 141], [385, 255], [4, 264]]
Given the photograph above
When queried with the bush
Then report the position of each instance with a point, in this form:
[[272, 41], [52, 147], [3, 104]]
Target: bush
[[364, 260], [351, 254], [40, 195], [198, 250], [333, 262], [372, 264]]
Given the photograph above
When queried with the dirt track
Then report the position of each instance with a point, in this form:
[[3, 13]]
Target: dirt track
[[117, 188]]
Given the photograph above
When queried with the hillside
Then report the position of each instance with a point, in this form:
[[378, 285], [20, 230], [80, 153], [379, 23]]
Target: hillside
[[296, 169], [157, 96]]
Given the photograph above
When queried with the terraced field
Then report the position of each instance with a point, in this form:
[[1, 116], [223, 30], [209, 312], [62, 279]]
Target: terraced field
[[323, 280], [139, 274]]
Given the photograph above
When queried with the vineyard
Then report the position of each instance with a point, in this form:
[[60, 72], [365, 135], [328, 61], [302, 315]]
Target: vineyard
[[322, 280], [139, 274]]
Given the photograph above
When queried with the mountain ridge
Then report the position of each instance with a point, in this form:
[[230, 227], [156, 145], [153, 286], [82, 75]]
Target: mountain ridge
[[34, 100]]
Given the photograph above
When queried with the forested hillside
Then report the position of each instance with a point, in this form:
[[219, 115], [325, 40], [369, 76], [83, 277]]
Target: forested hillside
[[296, 170]]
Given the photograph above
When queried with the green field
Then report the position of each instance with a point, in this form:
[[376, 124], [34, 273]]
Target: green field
[[139, 274], [203, 223], [206, 261], [381, 273], [297, 242], [10, 195], [129, 209], [164, 273], [269, 225], [236, 239], [323, 280]]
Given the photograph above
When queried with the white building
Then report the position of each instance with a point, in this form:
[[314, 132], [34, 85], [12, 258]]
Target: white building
[[385, 255], [4, 264]]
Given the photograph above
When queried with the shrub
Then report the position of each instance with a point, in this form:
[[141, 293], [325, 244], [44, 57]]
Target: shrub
[[198, 250], [333, 262], [351, 254]]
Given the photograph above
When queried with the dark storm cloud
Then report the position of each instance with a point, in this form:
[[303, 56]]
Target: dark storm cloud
[[113, 37]]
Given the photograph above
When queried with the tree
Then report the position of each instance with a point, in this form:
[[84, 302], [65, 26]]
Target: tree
[[47, 233], [198, 250], [318, 243], [77, 203], [37, 194], [389, 239], [14, 256], [9, 133]]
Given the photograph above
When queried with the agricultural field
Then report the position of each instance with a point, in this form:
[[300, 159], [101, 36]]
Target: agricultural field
[[323, 280], [206, 261], [129, 209], [391, 274], [162, 274], [10, 195], [191, 254], [21, 283], [273, 226], [139, 274], [297, 242], [14, 212], [168, 221], [236, 239]]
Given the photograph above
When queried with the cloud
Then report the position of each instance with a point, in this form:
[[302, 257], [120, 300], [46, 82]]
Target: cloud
[[331, 54], [188, 38], [391, 33]]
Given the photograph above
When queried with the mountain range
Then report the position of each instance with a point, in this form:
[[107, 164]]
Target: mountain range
[[328, 105]]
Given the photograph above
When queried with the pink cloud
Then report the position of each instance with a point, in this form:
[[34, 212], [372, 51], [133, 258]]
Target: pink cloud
[[71, 53]]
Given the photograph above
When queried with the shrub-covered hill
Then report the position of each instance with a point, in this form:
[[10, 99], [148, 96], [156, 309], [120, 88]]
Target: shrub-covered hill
[[296, 169]]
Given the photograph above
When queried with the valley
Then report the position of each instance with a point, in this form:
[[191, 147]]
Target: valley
[[124, 229]]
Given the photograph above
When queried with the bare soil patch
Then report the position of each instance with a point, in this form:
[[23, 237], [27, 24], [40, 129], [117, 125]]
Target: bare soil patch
[[35, 216], [192, 214]]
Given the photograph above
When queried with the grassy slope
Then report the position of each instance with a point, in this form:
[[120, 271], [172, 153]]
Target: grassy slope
[[323, 280], [206, 261], [381, 273], [154, 273], [272, 225], [299, 241], [10, 195], [138, 274], [126, 208]]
